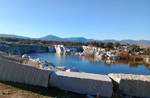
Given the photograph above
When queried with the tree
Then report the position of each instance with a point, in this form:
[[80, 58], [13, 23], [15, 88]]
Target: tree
[[94, 43], [134, 48], [101, 44], [107, 49], [146, 51], [116, 44], [108, 45]]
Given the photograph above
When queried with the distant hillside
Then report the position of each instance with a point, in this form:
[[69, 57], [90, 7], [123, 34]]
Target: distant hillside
[[141, 42], [82, 39], [79, 39], [72, 39], [110, 40], [13, 36], [51, 38]]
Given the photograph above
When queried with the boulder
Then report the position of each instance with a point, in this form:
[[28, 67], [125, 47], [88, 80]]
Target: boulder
[[132, 85], [83, 83], [61, 68], [72, 70], [25, 56]]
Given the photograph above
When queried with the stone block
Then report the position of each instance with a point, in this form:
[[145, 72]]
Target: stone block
[[83, 83], [15, 72], [132, 85]]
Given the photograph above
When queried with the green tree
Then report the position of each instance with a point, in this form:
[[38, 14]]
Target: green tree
[[108, 45], [134, 48], [116, 44], [101, 44], [93, 43], [146, 51]]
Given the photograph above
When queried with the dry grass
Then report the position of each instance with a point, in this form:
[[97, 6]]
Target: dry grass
[[123, 55], [89, 53], [17, 90], [135, 58], [144, 46]]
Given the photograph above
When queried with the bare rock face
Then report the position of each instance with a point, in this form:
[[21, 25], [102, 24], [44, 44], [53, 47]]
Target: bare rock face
[[83, 83], [51, 49], [132, 85], [19, 49]]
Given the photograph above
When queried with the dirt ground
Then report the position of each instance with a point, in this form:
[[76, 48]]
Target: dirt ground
[[17, 90], [8, 91]]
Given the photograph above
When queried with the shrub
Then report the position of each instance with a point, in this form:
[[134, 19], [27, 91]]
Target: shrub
[[134, 48], [146, 51], [135, 58], [88, 53], [107, 49], [116, 44], [123, 55], [108, 45]]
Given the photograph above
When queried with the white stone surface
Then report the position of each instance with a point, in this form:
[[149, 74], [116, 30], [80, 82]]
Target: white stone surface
[[61, 68], [132, 85], [83, 83], [72, 70], [11, 71]]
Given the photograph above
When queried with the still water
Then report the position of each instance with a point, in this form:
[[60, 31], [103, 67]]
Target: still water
[[92, 65]]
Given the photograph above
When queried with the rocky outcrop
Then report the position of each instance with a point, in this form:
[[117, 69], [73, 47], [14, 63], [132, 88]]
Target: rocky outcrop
[[72, 70], [15, 72], [132, 85], [36, 62], [27, 60], [99, 53], [20, 49], [10, 57], [83, 83], [147, 60], [61, 49], [51, 49]]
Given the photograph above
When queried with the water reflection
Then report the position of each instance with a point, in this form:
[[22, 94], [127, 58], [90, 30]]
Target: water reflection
[[133, 63], [91, 59], [118, 62]]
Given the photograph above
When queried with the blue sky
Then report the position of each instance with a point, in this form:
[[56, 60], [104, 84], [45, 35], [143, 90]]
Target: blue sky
[[97, 19]]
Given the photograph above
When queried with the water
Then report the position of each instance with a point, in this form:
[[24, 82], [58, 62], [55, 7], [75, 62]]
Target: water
[[91, 65]]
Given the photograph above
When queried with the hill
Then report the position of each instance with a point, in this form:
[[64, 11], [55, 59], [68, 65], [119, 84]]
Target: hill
[[79, 39]]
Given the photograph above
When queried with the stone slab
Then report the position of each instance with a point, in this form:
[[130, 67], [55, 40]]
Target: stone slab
[[83, 83], [12, 71], [132, 85]]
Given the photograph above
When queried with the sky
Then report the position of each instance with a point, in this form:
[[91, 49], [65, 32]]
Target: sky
[[96, 19]]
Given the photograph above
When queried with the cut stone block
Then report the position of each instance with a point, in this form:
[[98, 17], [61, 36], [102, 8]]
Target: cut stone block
[[132, 85], [83, 83], [15, 72]]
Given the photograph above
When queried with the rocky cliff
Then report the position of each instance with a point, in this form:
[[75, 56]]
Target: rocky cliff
[[20, 49]]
